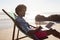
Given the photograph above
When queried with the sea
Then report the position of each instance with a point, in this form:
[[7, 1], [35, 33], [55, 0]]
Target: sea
[[6, 22]]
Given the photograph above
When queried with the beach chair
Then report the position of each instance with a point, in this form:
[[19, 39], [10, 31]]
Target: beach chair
[[14, 29], [19, 29]]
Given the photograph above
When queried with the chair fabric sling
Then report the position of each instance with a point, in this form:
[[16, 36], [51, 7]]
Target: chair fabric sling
[[15, 24]]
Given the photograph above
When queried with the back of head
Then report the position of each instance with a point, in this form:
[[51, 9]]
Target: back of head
[[54, 17], [20, 8], [40, 18]]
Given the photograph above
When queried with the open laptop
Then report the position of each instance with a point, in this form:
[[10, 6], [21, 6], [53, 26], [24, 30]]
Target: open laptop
[[49, 25]]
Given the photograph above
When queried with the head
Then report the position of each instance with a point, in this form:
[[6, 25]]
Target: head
[[20, 10], [39, 19]]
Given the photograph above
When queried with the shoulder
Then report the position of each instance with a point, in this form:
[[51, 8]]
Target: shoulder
[[18, 18]]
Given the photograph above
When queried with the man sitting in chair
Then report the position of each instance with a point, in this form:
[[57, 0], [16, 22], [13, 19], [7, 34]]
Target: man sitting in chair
[[20, 11]]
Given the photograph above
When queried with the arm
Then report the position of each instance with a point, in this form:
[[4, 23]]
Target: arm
[[33, 26], [36, 29], [55, 33]]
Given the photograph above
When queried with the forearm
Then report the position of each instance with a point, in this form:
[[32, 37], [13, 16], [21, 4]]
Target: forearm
[[56, 34]]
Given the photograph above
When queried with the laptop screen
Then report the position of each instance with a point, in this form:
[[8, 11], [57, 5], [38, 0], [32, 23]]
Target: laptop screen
[[49, 25]]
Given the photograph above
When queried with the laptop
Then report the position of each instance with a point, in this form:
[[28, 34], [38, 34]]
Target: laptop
[[49, 25]]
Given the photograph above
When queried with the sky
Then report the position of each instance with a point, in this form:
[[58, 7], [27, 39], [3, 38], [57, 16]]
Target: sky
[[34, 7]]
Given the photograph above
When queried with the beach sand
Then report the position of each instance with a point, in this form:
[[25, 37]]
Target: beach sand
[[6, 34]]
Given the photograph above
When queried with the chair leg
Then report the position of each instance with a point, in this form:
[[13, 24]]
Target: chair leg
[[17, 35], [22, 37], [13, 32]]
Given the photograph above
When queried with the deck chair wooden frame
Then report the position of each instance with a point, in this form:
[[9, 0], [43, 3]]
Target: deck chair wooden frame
[[14, 27], [13, 35]]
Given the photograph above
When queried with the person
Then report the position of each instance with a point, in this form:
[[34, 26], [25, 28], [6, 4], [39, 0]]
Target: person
[[54, 17], [20, 11], [40, 18]]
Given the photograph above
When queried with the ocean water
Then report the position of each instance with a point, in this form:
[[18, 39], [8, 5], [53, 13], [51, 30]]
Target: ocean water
[[6, 22]]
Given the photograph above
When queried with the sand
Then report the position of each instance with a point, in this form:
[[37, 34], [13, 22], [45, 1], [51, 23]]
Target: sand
[[6, 34], [6, 31]]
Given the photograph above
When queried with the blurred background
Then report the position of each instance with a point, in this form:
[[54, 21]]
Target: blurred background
[[34, 7]]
